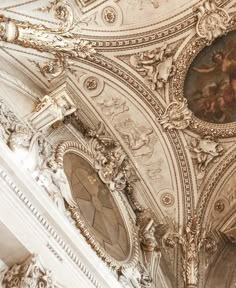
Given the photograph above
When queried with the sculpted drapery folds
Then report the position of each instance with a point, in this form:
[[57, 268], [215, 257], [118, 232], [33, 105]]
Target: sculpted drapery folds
[[147, 230]]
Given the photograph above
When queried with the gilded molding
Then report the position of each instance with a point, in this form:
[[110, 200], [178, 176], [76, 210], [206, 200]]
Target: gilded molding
[[64, 42], [76, 147], [198, 126]]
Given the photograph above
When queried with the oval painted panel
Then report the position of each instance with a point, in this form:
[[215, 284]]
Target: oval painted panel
[[210, 85], [97, 206]]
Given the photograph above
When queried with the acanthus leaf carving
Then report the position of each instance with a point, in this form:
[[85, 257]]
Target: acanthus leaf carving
[[64, 43], [30, 273], [176, 116], [212, 21], [191, 241]]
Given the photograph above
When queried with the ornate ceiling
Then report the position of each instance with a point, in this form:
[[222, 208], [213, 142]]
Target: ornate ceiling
[[130, 73]]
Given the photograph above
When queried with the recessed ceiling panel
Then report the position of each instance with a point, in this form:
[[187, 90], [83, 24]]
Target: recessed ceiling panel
[[97, 206]]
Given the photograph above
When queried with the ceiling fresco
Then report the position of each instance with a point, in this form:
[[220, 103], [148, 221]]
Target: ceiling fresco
[[152, 87], [210, 82]]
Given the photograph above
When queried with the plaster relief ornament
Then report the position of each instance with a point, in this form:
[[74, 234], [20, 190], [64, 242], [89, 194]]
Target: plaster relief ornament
[[135, 136], [141, 3], [130, 277], [212, 21], [113, 106], [8, 121], [177, 116], [50, 111], [191, 242], [53, 179], [147, 229], [111, 161], [205, 150], [63, 42], [30, 273], [156, 66]]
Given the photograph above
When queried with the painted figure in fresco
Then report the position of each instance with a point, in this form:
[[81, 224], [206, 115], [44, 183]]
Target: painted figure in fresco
[[219, 97]]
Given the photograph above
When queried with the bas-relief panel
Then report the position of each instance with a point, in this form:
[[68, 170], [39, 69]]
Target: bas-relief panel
[[139, 136], [210, 85], [137, 133], [97, 206]]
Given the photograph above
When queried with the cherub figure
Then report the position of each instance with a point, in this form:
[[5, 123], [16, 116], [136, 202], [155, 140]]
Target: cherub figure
[[156, 65], [223, 94]]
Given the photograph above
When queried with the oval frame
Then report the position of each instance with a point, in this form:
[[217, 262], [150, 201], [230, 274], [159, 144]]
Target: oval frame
[[132, 233], [184, 61]]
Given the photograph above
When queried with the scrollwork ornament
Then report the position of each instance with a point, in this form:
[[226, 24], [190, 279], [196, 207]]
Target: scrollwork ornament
[[176, 116], [64, 42], [30, 273], [212, 21]]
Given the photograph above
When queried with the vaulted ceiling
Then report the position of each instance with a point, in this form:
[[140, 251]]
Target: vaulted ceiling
[[134, 84]]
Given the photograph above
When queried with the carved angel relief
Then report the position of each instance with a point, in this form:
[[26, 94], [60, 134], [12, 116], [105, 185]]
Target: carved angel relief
[[212, 21], [155, 66], [204, 151], [176, 116]]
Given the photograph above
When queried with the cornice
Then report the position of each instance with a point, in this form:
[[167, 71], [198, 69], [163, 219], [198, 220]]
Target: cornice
[[32, 209], [144, 36]]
